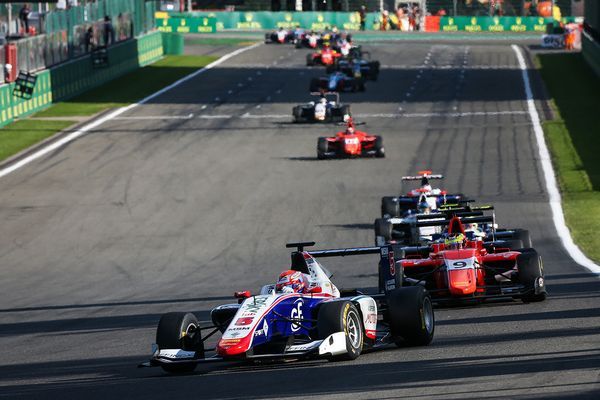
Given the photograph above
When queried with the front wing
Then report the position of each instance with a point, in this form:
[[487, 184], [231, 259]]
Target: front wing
[[334, 344]]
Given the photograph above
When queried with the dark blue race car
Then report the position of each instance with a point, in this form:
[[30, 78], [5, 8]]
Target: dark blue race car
[[320, 322]]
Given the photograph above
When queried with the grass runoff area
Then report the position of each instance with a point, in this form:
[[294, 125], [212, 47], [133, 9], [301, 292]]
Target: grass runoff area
[[574, 141], [117, 93]]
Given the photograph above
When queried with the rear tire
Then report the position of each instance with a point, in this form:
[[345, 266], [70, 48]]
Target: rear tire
[[390, 206], [524, 236], [314, 85], [179, 330], [342, 316], [297, 114], [383, 228], [310, 60], [322, 148], [411, 316], [531, 272], [379, 147]]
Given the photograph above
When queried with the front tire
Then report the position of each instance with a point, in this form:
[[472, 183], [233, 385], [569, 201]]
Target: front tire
[[342, 316], [531, 274], [179, 330], [411, 317], [322, 148]]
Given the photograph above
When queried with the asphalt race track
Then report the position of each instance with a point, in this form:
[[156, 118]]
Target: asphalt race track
[[186, 199]]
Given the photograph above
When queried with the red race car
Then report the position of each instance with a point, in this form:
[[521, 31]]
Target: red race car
[[350, 143], [455, 268], [326, 56]]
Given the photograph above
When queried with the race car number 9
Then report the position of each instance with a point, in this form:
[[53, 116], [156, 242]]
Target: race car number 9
[[459, 264]]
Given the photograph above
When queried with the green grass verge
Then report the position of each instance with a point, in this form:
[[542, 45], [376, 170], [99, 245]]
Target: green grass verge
[[22, 134], [574, 141], [119, 92], [220, 41], [129, 88]]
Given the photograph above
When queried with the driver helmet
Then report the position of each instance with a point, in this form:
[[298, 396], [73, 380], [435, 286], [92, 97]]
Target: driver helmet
[[350, 130], [323, 100], [455, 241], [291, 281]]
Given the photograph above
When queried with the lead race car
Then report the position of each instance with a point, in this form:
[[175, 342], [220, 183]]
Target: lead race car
[[285, 322], [457, 269], [350, 143], [328, 108]]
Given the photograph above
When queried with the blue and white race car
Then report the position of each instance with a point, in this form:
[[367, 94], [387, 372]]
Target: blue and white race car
[[319, 322], [338, 82]]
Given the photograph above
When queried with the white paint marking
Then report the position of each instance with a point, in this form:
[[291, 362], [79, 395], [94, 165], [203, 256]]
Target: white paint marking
[[156, 117], [265, 116], [94, 124], [203, 107], [224, 116], [549, 176]]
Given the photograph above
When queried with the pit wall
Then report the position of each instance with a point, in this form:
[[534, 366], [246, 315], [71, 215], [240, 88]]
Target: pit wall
[[203, 22], [77, 76]]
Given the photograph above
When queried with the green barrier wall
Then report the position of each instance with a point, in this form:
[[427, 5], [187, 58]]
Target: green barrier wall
[[184, 24], [497, 24], [194, 21], [74, 77], [263, 20]]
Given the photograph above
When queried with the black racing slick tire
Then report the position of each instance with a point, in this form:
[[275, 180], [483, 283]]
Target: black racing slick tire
[[524, 236], [342, 316], [383, 228], [314, 85], [390, 206], [531, 275], [380, 150], [310, 60], [410, 316], [297, 114], [322, 148], [179, 330]]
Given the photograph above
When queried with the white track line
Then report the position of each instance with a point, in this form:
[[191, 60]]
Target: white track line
[[400, 115], [550, 179], [112, 115], [154, 117]]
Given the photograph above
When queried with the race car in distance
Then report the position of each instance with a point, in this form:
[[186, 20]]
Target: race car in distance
[[350, 143], [326, 56], [302, 316], [405, 230], [337, 82], [323, 110], [456, 268], [311, 40], [356, 60], [398, 206], [280, 36]]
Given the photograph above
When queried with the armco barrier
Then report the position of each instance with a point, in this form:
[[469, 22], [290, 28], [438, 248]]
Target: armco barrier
[[198, 22], [74, 77]]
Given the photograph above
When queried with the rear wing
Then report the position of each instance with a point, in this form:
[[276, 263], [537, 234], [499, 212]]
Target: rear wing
[[389, 276], [463, 220], [325, 94]]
